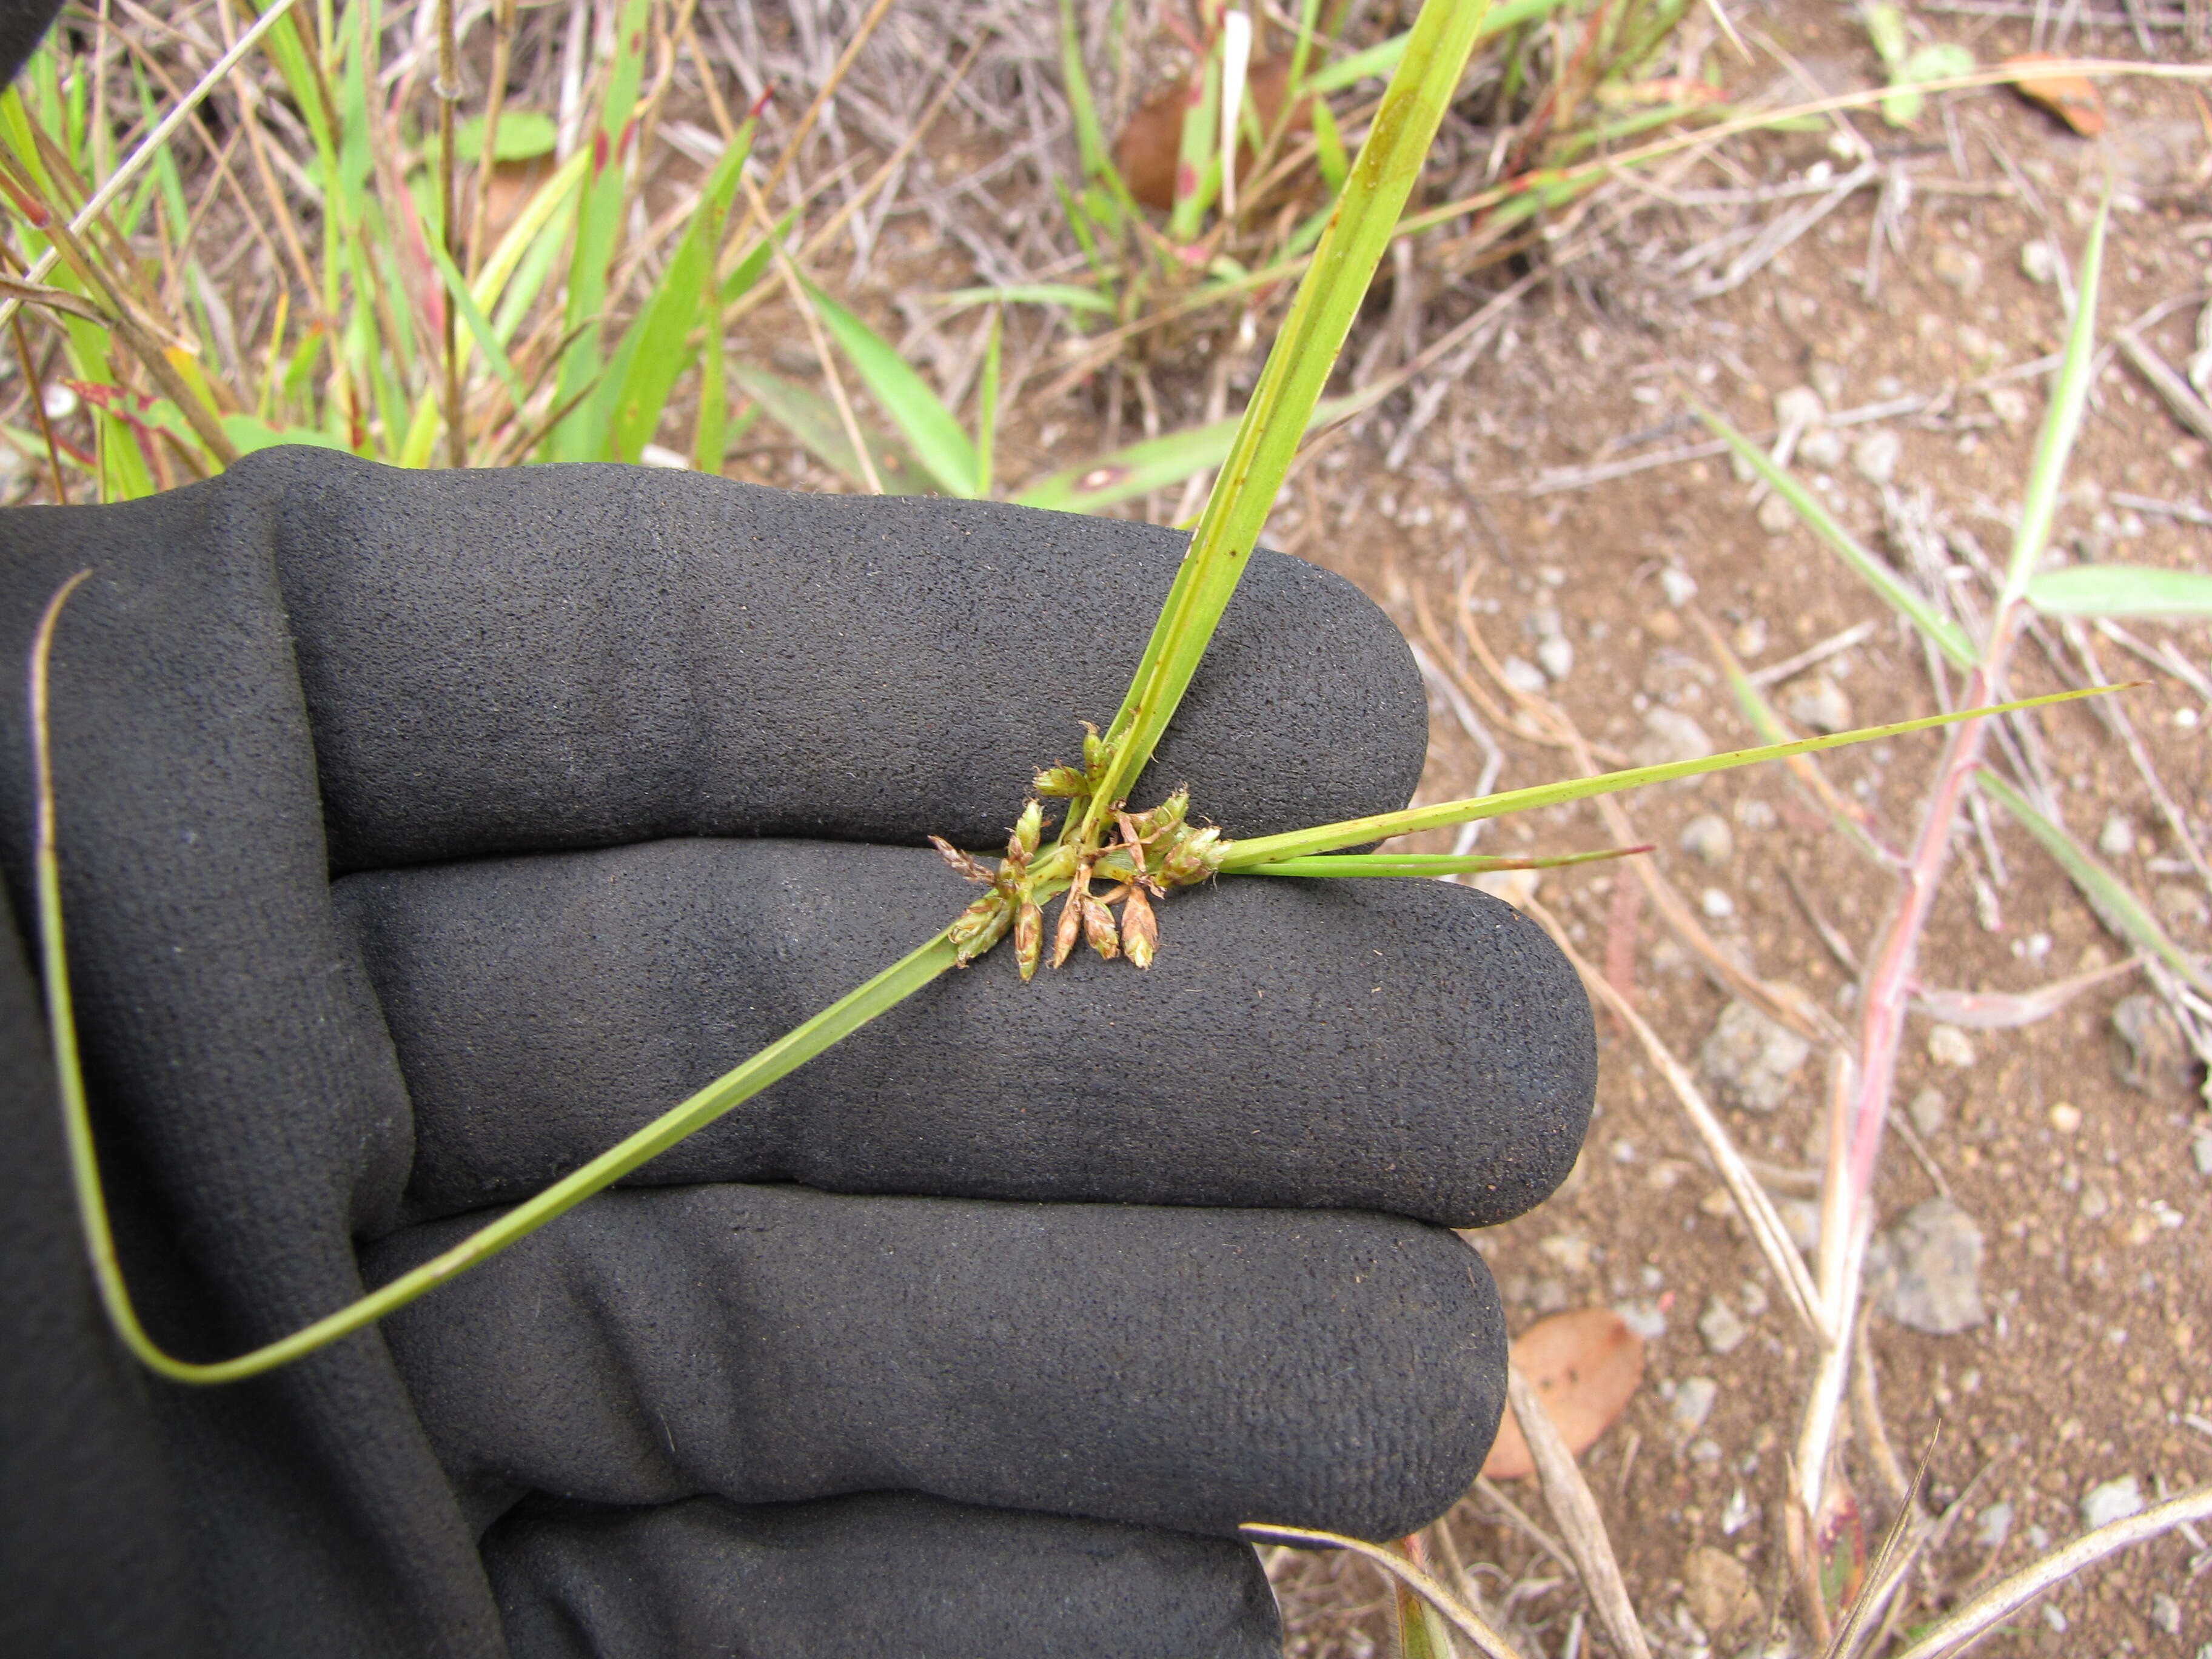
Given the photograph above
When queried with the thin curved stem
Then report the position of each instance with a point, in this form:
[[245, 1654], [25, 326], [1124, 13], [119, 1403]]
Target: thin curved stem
[[839, 1020]]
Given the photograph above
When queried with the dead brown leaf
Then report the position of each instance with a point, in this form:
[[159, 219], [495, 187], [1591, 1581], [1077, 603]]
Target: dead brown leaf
[[2072, 98], [1585, 1364]]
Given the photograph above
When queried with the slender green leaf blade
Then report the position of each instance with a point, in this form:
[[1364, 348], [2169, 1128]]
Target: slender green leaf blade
[[1030, 294], [1153, 463], [1244, 856], [1948, 636], [2122, 590], [2069, 396], [1329, 298], [920, 417], [811, 418], [2107, 894], [1429, 865]]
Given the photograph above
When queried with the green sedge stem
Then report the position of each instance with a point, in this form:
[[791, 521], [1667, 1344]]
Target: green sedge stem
[[1245, 856], [1431, 865], [2068, 398], [839, 1020], [1297, 367]]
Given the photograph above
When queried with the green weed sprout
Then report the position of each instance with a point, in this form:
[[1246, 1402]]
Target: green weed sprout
[[1143, 854]]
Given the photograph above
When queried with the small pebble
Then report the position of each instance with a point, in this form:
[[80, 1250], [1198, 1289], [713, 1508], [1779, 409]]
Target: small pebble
[[1751, 1061], [1556, 657], [1929, 1269], [1524, 676], [2118, 838], [1776, 516], [2200, 1150], [1827, 378], [2056, 1617], [2166, 1612], [1927, 1110], [1723, 1329], [1749, 638], [1949, 1046], [1819, 703], [1707, 838], [2010, 404], [1754, 813], [60, 402], [1680, 586], [1993, 1526], [2115, 1500], [2038, 262], [1822, 447], [1693, 1402], [1674, 736], [1716, 905], [1876, 455], [2186, 719], [1958, 267], [1800, 406], [2065, 1117]]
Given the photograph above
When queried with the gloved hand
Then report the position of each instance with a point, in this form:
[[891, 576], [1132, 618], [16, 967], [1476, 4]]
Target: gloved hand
[[423, 833]]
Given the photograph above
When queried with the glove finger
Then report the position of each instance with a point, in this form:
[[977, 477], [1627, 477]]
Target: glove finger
[[580, 656], [1413, 1046], [882, 1573], [1181, 1368]]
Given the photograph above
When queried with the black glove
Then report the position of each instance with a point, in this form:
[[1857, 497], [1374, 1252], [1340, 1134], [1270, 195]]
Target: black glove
[[422, 834]]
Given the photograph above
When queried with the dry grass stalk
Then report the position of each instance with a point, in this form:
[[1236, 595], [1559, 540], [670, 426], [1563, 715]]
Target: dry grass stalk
[[2001, 1600], [1463, 1618], [1575, 1511]]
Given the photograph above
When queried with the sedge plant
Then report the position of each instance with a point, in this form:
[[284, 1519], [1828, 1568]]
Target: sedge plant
[[1106, 864]]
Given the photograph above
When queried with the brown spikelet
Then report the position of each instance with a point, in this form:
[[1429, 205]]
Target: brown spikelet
[[1140, 927], [1029, 939], [968, 868], [1098, 929]]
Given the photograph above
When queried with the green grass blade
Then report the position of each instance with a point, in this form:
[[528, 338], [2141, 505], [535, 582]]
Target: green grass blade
[[1429, 865], [1030, 293], [1244, 856], [2122, 590], [919, 415], [2109, 895], [2061, 422], [1091, 146], [1202, 115], [599, 233], [810, 418], [479, 325], [1158, 463], [1298, 366], [1948, 637], [710, 440], [659, 341]]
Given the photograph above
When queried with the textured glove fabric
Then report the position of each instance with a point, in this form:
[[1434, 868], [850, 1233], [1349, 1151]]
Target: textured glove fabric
[[425, 833]]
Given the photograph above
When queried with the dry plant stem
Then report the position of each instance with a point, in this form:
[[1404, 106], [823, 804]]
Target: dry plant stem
[[152, 144], [1575, 1511], [2001, 1600], [1463, 1618], [39, 407], [828, 90], [1524, 1522], [1767, 1227], [502, 55], [788, 269]]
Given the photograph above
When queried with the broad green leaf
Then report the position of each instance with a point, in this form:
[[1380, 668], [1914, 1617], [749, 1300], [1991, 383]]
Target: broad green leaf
[[1244, 856], [939, 443], [1948, 636], [811, 419], [524, 135], [2122, 590], [2062, 421], [2109, 895]]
